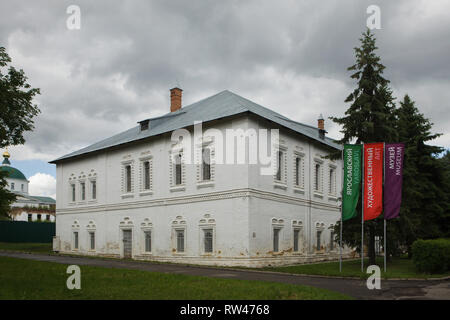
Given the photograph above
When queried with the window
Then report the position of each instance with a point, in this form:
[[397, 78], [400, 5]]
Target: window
[[317, 177], [47, 217], [148, 241], [319, 234], [296, 239], [83, 191], [178, 170], [331, 240], [21, 187], [146, 175], [30, 217], [298, 162], [94, 189], [279, 163], [206, 164], [332, 185], [39, 217], [128, 178], [75, 240], [208, 240], [92, 240], [12, 186], [276, 239], [73, 192], [180, 240]]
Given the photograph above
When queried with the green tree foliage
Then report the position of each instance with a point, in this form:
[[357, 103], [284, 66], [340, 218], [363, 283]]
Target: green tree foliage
[[369, 118], [425, 210], [16, 113], [6, 197]]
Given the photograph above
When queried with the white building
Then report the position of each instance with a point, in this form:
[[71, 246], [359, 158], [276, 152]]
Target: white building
[[125, 197], [26, 207]]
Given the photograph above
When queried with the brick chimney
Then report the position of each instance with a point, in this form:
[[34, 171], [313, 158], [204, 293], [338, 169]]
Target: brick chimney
[[321, 126], [175, 99]]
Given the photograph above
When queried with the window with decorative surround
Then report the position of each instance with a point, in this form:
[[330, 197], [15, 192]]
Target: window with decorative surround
[[91, 228], [332, 246], [277, 226], [177, 170], [145, 174], [299, 172], [72, 192], [75, 235], [127, 178], [147, 233], [280, 158], [207, 226], [320, 226], [297, 229], [179, 235], [318, 176], [205, 162], [332, 181]]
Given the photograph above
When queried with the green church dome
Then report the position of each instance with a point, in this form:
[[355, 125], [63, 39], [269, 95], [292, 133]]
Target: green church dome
[[13, 173]]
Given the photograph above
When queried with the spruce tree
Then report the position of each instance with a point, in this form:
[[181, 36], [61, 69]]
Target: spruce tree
[[369, 118], [425, 210]]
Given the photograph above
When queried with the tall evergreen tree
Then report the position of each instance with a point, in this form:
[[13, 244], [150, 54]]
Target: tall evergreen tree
[[369, 118], [425, 202]]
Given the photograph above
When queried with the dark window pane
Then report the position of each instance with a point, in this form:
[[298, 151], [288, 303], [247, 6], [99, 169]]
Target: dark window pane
[[208, 235], [146, 175]]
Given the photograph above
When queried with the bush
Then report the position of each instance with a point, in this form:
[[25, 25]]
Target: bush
[[431, 256]]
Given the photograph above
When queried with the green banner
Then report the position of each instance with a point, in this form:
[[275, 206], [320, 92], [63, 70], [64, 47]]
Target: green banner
[[352, 180]]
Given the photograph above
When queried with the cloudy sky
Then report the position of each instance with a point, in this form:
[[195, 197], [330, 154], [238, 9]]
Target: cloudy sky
[[290, 56]]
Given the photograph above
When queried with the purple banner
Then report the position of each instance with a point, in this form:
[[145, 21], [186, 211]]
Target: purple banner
[[393, 178]]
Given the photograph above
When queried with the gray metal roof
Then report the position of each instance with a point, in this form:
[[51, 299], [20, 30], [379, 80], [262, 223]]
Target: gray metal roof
[[220, 105]]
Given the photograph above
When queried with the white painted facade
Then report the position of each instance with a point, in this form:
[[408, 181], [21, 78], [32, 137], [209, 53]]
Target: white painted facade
[[240, 206]]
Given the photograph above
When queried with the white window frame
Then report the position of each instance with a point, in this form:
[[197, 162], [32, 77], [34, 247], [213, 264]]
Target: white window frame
[[179, 224], [91, 228], [318, 185], [75, 228], [143, 191], [320, 227], [300, 187], [282, 182], [172, 170], [207, 143], [80, 191], [279, 225], [147, 226], [207, 223], [297, 225], [125, 192], [72, 192]]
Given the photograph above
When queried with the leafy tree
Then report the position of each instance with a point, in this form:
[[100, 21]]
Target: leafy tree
[[369, 118], [6, 197], [16, 113]]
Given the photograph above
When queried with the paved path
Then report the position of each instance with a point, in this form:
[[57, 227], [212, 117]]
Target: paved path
[[390, 289]]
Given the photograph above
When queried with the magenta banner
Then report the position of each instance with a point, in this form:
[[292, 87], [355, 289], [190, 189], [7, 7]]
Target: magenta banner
[[393, 178]]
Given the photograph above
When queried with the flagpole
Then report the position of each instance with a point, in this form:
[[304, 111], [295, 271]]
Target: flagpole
[[362, 213], [384, 213], [342, 200]]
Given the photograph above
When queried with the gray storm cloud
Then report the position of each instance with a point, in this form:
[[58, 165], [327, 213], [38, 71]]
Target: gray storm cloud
[[290, 56]]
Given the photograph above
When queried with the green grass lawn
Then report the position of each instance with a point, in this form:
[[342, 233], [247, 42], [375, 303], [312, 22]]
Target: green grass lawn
[[397, 268], [28, 279], [27, 247]]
